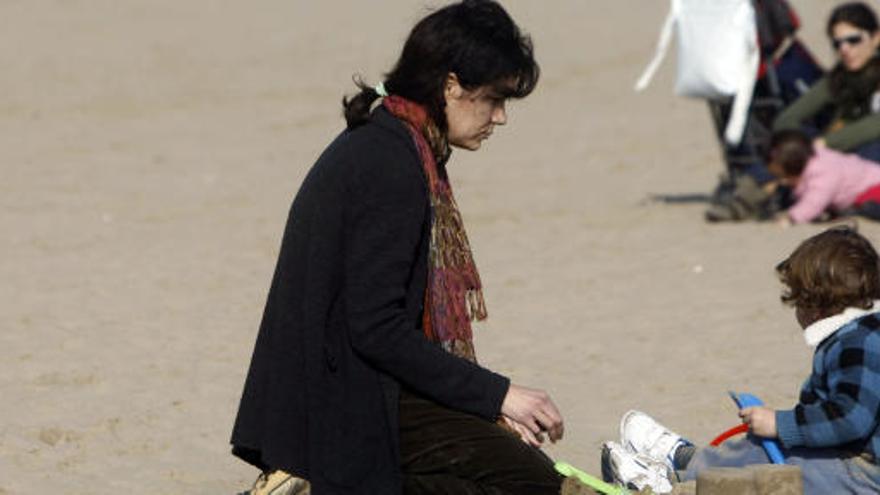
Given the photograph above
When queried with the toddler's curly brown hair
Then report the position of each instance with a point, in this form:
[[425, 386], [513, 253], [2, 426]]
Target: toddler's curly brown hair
[[831, 271]]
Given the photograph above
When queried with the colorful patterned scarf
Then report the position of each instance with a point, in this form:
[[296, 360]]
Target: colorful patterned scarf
[[453, 295]]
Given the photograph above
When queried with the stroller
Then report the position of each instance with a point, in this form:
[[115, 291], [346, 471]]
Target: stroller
[[777, 71]]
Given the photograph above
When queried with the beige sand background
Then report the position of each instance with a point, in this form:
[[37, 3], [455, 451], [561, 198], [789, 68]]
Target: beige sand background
[[149, 150]]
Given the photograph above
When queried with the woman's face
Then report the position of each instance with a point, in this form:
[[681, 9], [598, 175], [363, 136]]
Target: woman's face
[[854, 45], [471, 116]]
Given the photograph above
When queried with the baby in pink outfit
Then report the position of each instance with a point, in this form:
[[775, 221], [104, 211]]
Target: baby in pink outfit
[[822, 179]]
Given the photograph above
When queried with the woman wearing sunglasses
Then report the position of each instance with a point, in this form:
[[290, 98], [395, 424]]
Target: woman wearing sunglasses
[[851, 89]]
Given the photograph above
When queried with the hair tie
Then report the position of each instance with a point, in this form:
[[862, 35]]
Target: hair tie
[[380, 89]]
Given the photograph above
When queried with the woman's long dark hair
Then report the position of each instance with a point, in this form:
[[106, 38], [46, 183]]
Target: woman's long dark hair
[[857, 14], [474, 39], [851, 90]]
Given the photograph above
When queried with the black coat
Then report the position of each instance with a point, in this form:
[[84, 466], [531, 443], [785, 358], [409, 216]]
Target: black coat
[[341, 331]]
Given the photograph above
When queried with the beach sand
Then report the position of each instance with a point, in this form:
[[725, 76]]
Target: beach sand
[[149, 151]]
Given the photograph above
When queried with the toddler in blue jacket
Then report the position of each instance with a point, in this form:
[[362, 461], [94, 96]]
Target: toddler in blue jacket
[[833, 281]]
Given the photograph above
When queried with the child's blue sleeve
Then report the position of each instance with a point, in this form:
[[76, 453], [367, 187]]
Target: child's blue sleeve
[[845, 407]]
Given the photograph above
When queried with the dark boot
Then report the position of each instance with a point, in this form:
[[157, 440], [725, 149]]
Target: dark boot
[[748, 201]]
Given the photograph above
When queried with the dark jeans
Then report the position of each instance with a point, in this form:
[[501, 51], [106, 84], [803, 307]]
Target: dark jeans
[[869, 151], [446, 452], [868, 209], [825, 469]]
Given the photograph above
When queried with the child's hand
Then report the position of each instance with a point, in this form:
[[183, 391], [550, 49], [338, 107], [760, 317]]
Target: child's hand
[[761, 421], [784, 221]]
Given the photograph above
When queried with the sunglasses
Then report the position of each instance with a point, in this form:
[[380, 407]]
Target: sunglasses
[[852, 40]]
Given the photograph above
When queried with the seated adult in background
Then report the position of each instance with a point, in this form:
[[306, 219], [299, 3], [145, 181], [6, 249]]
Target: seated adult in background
[[851, 89]]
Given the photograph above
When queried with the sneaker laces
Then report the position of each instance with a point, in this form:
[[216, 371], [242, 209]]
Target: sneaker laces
[[636, 470]]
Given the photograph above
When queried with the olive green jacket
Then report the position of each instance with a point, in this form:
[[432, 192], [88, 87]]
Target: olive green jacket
[[853, 134]]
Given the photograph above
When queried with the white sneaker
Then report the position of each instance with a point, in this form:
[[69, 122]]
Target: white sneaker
[[641, 434], [635, 471]]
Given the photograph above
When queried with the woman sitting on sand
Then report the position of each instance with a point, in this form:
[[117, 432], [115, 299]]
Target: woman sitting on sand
[[852, 88], [363, 379]]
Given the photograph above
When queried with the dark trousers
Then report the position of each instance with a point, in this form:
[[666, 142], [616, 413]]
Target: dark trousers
[[449, 452], [869, 151]]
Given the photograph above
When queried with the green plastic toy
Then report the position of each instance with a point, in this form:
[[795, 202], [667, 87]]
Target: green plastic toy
[[600, 486]]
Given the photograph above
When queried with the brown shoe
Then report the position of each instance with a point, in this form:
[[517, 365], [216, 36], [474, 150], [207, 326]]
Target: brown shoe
[[279, 482], [748, 201]]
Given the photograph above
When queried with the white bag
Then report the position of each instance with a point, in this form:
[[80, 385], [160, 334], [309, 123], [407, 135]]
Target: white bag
[[718, 54]]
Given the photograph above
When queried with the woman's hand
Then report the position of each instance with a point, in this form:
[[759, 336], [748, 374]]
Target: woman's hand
[[761, 421], [524, 433], [533, 409]]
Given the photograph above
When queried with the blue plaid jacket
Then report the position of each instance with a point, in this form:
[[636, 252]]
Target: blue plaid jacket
[[839, 404]]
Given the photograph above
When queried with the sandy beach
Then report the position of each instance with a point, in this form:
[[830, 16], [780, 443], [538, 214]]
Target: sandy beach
[[149, 151]]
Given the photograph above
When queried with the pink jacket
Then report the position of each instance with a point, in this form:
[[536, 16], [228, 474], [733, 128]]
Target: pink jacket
[[831, 180]]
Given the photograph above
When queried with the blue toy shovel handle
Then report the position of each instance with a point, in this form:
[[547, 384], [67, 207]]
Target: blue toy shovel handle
[[744, 400]]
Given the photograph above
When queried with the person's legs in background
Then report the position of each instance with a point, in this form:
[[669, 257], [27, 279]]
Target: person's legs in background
[[743, 192], [869, 151]]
